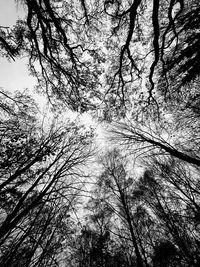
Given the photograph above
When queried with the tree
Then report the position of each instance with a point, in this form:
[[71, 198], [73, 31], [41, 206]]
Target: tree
[[39, 175], [164, 255], [142, 139], [131, 62], [154, 212], [66, 39], [97, 244], [168, 197], [51, 36], [38, 239], [118, 189]]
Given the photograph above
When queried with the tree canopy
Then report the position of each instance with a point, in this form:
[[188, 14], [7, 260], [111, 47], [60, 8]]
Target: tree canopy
[[88, 52], [133, 67]]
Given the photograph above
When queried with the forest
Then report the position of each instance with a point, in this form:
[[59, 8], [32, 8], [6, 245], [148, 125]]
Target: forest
[[127, 195]]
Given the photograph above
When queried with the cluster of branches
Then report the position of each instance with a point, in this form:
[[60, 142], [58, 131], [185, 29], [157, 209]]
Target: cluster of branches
[[149, 219], [144, 140], [146, 220], [50, 36], [42, 175], [57, 38]]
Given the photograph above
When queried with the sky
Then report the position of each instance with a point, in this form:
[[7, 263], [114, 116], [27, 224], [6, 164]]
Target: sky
[[13, 74]]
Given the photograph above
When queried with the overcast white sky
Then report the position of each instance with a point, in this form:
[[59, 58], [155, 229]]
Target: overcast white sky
[[13, 75]]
